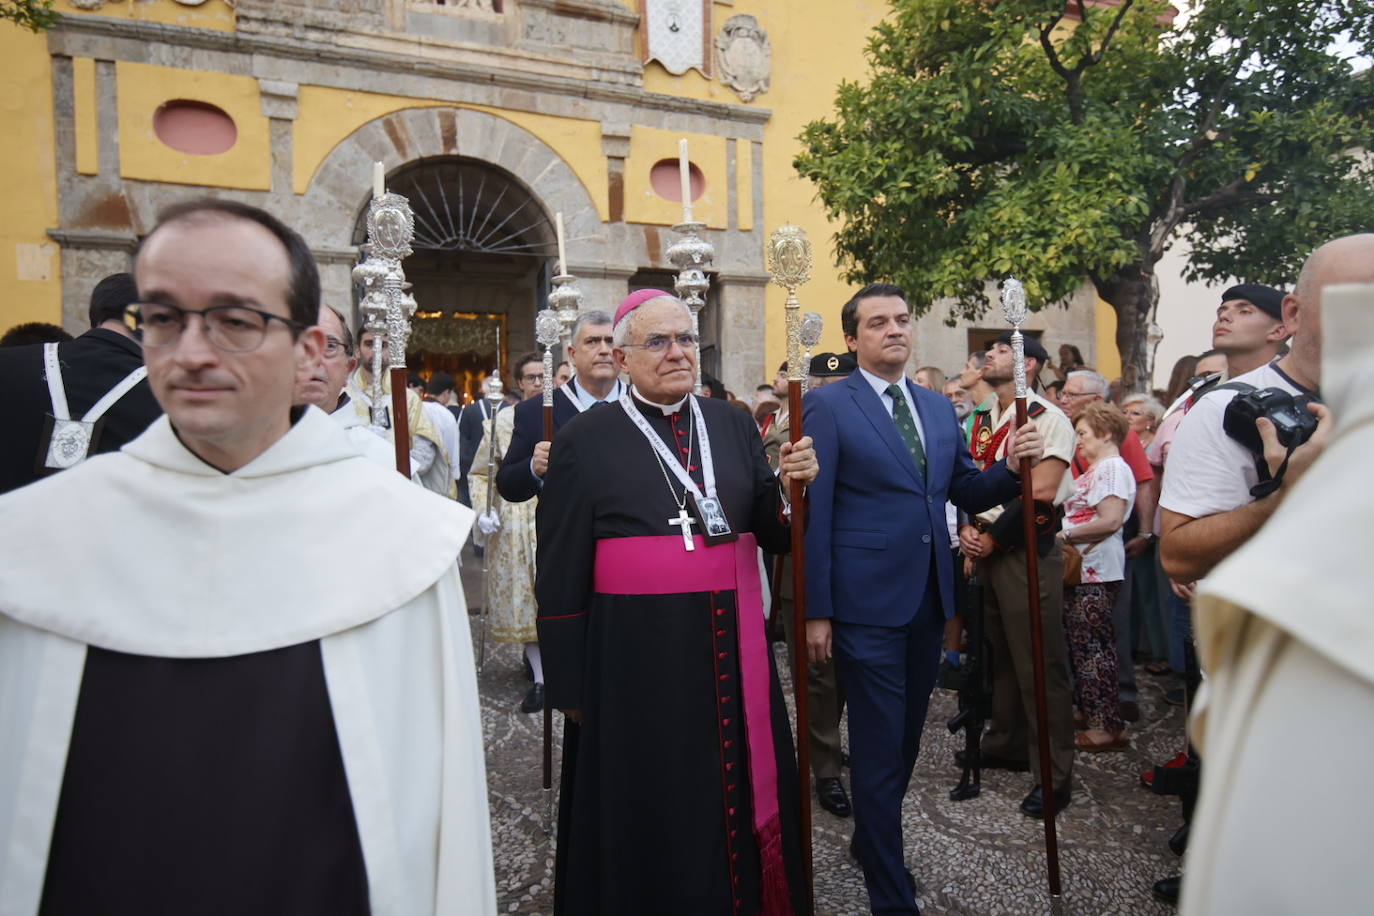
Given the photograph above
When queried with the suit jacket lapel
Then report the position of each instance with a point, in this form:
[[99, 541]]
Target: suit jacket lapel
[[871, 405]]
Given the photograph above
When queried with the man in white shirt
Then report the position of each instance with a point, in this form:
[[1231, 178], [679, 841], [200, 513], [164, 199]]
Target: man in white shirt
[[1208, 509], [1258, 668]]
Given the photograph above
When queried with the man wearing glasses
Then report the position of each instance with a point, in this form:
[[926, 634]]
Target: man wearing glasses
[[679, 786], [208, 718], [322, 384]]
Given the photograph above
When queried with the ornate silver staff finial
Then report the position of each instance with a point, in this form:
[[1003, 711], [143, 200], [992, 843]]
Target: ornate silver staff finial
[[548, 326], [691, 255], [789, 264], [565, 299], [387, 305], [1014, 308], [811, 327], [492, 389]]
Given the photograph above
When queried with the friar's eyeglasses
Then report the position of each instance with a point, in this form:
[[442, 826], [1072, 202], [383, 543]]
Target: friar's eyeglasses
[[231, 328]]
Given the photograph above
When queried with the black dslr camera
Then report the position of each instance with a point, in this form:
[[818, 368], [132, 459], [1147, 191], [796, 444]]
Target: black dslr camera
[[1293, 422]]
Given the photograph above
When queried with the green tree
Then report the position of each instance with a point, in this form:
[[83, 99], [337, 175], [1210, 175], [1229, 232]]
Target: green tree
[[1060, 142], [34, 15]]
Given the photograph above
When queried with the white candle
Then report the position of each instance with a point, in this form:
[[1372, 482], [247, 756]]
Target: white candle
[[378, 180], [684, 171], [562, 254]]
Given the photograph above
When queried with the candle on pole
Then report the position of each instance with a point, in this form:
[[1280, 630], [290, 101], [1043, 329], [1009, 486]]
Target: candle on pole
[[562, 252], [684, 172], [378, 180]]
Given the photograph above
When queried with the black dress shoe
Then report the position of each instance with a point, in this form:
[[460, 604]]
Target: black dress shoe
[[1178, 843], [1165, 890], [534, 700], [833, 798], [993, 762], [1034, 804], [910, 878]]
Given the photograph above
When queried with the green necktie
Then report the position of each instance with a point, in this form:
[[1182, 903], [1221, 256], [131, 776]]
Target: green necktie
[[906, 425]]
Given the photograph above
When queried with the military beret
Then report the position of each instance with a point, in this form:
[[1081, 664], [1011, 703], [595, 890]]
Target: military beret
[[832, 365], [1034, 349], [1265, 298]]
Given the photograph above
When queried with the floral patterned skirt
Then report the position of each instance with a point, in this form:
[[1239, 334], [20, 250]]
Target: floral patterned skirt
[[1092, 652]]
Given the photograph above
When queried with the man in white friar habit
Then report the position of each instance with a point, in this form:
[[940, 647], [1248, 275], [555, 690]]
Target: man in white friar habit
[[199, 713]]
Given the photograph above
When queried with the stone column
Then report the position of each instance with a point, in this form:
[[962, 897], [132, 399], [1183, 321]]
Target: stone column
[[279, 106], [615, 145], [741, 299], [89, 256]]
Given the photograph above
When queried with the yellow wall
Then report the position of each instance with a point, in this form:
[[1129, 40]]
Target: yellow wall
[[214, 14], [813, 50], [247, 165], [649, 146], [1108, 357], [30, 268]]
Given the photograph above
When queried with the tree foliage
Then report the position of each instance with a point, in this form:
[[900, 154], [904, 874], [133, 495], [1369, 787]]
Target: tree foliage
[[1059, 143], [34, 15]]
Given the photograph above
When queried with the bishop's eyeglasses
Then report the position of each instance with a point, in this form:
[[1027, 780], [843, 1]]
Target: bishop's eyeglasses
[[231, 328], [659, 344]]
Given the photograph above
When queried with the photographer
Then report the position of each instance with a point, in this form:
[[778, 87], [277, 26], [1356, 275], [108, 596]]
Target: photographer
[[1212, 501], [1283, 631], [1207, 503]]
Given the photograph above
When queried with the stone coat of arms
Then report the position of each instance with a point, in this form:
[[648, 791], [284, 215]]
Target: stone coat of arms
[[744, 58]]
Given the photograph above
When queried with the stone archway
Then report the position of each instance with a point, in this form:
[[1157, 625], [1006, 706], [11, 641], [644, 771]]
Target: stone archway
[[339, 189]]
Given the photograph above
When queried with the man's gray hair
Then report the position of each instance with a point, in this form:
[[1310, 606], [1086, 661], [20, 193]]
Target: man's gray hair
[[1093, 382], [586, 318], [621, 334]]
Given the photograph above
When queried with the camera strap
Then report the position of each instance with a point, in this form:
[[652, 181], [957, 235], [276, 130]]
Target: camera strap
[[1267, 483]]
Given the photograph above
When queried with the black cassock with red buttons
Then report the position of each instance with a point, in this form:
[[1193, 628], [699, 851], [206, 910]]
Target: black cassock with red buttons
[[656, 811]]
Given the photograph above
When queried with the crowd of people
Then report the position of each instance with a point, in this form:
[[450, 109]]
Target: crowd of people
[[259, 694]]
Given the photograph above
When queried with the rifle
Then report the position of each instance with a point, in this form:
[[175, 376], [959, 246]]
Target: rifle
[[973, 682]]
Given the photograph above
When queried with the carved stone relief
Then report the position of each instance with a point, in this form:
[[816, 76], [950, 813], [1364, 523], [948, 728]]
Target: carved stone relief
[[744, 57]]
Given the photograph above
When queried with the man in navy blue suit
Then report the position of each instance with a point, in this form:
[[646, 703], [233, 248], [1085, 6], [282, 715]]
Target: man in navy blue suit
[[594, 381], [880, 577]]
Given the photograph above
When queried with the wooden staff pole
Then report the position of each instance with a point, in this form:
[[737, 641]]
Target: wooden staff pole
[[800, 666], [1042, 718], [548, 329], [789, 264], [548, 710], [400, 421], [1014, 306]]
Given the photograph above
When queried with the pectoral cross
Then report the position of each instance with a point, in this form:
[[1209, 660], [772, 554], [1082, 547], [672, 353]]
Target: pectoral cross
[[685, 522]]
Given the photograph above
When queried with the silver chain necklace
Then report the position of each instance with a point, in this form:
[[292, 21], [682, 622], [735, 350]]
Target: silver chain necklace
[[663, 469]]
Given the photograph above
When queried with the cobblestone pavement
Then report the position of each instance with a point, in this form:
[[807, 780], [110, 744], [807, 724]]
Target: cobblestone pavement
[[975, 858]]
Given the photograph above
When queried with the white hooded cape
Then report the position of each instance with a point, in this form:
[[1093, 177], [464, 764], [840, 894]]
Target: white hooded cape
[[150, 551]]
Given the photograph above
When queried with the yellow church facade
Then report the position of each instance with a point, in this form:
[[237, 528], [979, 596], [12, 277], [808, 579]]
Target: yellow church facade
[[492, 116]]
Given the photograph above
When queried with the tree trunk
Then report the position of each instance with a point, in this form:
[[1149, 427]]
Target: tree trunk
[[1132, 294]]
